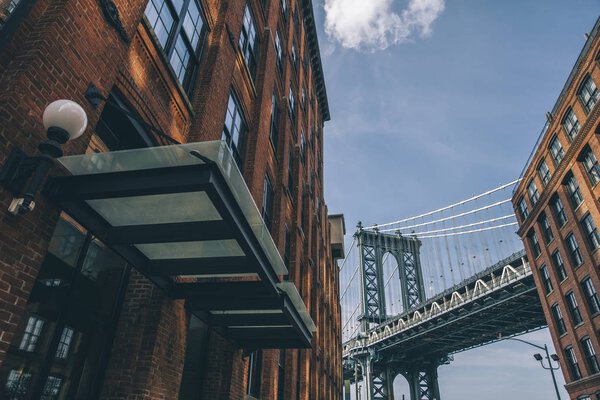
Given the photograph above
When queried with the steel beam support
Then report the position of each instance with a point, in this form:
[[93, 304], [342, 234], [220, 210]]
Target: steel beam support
[[373, 247], [423, 382]]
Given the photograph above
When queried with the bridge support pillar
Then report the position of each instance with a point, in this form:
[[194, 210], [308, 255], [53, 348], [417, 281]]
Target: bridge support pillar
[[423, 382]]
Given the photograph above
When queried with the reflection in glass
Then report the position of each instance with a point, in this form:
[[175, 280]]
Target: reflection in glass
[[32, 334]]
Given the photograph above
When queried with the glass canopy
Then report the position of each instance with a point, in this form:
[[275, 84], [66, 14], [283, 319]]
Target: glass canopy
[[183, 216]]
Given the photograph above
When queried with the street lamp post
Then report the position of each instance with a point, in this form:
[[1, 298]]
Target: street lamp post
[[539, 358]]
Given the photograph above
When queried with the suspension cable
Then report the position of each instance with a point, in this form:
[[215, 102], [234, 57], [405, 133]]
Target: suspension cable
[[464, 226], [350, 281], [447, 218], [447, 207], [347, 254], [471, 231]]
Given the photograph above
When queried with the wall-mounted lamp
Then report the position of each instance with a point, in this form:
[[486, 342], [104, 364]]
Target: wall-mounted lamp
[[22, 174]]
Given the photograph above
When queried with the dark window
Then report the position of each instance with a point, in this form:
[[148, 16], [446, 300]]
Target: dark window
[[523, 210], [302, 145], [17, 385], [291, 170], [556, 150], [532, 191], [51, 388], [254, 372], [32, 333], [274, 127], [281, 375], [545, 227], [588, 93], [283, 8], [292, 103], [179, 27], [571, 124], [293, 55], [303, 98], [590, 229], [64, 344], [279, 50], [572, 363], [267, 203], [545, 279], [544, 172], [287, 247], [7, 8], [573, 308], [590, 355], [249, 41], [591, 165], [575, 253], [559, 265], [534, 243], [559, 210], [559, 321], [574, 192], [234, 131], [591, 296]]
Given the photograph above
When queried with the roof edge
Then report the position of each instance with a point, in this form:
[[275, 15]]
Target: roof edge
[[315, 57]]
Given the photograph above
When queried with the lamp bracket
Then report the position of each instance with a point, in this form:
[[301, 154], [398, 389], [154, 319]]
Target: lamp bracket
[[94, 96], [17, 170]]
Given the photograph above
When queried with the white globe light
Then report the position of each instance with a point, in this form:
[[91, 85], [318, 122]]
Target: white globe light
[[67, 115]]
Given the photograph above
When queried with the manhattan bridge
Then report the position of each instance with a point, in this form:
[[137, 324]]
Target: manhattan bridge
[[418, 290]]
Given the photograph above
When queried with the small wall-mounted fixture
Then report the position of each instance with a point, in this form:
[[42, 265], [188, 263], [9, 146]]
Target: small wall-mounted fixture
[[22, 174]]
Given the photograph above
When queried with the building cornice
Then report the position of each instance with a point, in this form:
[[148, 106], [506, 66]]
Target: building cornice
[[563, 93], [315, 57]]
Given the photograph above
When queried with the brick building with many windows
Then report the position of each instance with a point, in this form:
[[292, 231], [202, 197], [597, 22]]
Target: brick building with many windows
[[558, 211], [182, 248]]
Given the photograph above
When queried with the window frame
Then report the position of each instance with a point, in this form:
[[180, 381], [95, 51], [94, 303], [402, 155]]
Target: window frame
[[557, 152], [591, 295], [594, 94], [571, 118], [545, 228], [559, 210], [268, 202], [522, 207], [238, 149], [572, 363], [574, 250], [590, 163], [574, 191], [559, 267], [532, 192], [546, 281], [559, 319], [534, 243], [573, 308], [544, 176], [589, 227], [176, 30], [589, 353], [250, 51]]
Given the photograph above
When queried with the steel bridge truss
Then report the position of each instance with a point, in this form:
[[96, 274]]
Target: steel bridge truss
[[497, 303], [373, 247]]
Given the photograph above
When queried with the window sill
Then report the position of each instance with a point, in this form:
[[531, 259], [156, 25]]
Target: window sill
[[579, 324]]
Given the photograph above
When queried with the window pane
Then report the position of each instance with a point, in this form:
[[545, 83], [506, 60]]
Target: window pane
[[571, 124], [588, 93]]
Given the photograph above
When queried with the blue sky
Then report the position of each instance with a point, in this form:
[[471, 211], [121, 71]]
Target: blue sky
[[432, 102]]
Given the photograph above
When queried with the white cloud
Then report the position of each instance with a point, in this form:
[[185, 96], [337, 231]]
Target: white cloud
[[374, 25]]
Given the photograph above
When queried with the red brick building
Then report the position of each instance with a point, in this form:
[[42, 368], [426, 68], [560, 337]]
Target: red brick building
[[90, 305], [558, 211]]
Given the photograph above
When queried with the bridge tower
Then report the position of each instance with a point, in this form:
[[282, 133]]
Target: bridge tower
[[372, 247], [377, 374]]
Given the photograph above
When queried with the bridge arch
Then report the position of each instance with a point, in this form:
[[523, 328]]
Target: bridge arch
[[392, 288]]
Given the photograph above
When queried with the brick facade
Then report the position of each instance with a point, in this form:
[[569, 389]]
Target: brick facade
[[556, 294], [55, 49]]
